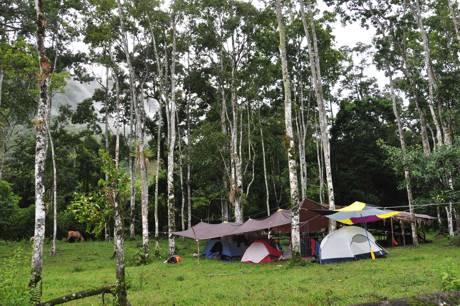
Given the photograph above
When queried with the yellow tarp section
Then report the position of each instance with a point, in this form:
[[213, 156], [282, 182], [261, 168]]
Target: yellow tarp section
[[355, 206], [388, 215]]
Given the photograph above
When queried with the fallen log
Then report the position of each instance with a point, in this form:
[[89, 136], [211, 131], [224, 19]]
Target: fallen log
[[440, 298], [79, 295]]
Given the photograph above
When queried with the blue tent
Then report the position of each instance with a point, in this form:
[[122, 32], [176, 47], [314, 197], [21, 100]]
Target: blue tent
[[225, 247]]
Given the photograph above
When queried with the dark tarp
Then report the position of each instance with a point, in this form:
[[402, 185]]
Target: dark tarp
[[278, 221]]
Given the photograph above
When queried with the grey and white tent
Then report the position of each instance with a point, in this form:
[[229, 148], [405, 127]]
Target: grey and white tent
[[349, 243]]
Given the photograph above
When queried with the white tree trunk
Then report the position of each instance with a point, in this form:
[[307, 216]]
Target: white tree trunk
[[157, 171], [188, 182], [453, 16], [181, 175], [402, 142], [450, 223], [267, 190], [140, 137], [171, 146], [53, 158], [237, 175], [40, 156], [1, 85], [292, 164], [316, 83], [144, 179], [431, 85], [122, 294]]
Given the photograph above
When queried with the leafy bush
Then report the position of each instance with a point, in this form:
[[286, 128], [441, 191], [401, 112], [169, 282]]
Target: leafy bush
[[450, 282], [11, 291]]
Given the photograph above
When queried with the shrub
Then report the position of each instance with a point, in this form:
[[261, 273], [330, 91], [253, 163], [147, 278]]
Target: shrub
[[13, 292], [450, 282]]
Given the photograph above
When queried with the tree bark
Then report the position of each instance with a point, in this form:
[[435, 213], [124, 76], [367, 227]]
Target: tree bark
[[290, 145], [181, 175], [426, 50], [144, 179], [316, 83], [1, 85], [171, 146], [157, 171], [188, 179], [402, 142], [106, 136], [121, 286], [140, 137], [450, 223], [236, 172], [223, 124], [453, 16], [53, 159], [267, 190], [78, 295], [35, 283]]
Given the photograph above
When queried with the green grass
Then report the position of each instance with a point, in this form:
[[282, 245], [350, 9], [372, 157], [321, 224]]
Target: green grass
[[405, 272]]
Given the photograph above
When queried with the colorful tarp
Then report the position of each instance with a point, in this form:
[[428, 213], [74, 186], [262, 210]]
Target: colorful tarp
[[358, 212]]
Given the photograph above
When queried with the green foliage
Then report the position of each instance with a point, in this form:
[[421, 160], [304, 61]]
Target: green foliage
[[91, 209], [433, 173], [449, 281], [12, 292]]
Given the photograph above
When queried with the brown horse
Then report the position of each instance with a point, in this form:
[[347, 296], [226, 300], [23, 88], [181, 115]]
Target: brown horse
[[74, 236]]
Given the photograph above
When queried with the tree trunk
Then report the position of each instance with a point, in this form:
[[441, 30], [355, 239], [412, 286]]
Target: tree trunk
[[53, 158], [1, 85], [237, 175], [453, 16], [426, 50], [140, 138], [316, 83], [188, 181], [106, 137], [450, 223], [40, 121], [157, 172], [181, 175], [144, 179], [438, 213], [121, 292], [171, 146], [223, 118], [267, 190], [402, 142], [290, 145]]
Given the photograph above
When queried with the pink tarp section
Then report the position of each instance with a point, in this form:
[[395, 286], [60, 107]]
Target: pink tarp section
[[279, 221]]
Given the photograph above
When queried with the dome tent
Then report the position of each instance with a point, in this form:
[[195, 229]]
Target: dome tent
[[349, 243], [225, 247], [260, 251]]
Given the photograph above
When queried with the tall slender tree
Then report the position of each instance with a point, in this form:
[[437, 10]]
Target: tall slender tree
[[40, 123], [290, 145]]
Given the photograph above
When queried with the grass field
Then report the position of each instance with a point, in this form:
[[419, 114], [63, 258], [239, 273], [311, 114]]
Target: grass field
[[405, 272]]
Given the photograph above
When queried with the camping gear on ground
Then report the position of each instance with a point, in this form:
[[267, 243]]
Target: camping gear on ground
[[278, 221], [261, 251], [358, 212], [349, 243], [173, 259], [225, 247]]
